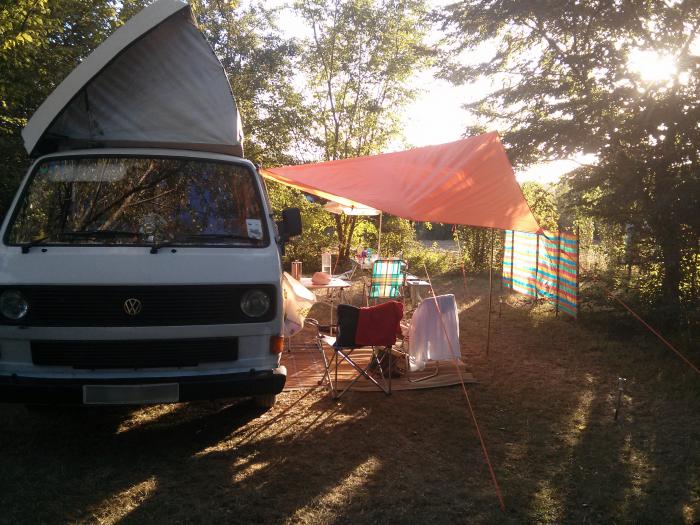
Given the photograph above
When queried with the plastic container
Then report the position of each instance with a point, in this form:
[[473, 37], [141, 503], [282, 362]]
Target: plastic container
[[326, 266], [296, 269]]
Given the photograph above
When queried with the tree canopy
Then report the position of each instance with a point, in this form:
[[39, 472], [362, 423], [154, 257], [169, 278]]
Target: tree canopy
[[259, 63], [41, 41], [358, 62], [572, 77]]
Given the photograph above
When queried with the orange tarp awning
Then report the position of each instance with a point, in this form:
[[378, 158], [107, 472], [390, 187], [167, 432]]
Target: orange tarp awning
[[468, 182]]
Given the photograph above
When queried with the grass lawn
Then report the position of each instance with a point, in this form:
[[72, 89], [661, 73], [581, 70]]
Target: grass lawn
[[545, 403]]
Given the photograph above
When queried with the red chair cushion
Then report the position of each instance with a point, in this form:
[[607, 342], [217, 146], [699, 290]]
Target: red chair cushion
[[379, 325]]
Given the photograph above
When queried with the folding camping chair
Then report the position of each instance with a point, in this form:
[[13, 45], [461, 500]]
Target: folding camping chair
[[350, 274], [388, 280], [374, 327]]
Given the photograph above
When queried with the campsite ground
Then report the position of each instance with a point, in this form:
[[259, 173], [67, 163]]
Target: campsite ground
[[545, 402]]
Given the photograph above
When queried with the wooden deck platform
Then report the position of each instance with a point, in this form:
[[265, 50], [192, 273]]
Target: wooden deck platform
[[305, 370]]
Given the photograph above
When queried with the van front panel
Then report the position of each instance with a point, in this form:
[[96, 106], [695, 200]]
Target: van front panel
[[139, 267]]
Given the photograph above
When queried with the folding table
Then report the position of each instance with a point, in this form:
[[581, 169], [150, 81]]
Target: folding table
[[334, 291]]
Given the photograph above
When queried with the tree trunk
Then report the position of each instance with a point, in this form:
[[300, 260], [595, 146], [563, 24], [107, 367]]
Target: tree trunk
[[667, 231], [669, 240], [345, 226], [339, 228]]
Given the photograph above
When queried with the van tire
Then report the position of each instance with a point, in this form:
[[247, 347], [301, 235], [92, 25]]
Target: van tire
[[265, 401]]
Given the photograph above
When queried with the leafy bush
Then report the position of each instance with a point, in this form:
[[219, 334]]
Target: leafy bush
[[397, 236], [318, 232], [436, 260]]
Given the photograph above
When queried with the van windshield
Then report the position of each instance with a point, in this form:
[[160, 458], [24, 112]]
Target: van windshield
[[140, 201]]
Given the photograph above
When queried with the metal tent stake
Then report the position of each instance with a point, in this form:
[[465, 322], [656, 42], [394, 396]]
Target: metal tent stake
[[620, 387]]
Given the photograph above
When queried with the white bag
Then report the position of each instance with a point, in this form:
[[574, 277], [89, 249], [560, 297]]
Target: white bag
[[297, 301]]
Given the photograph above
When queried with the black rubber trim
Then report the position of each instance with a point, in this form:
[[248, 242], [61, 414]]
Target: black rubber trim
[[18, 389], [134, 353]]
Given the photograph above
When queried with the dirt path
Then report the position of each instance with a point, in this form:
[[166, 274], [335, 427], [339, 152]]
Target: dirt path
[[545, 402]]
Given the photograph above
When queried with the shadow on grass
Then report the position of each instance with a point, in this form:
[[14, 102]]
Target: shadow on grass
[[65, 461], [367, 459], [544, 401], [578, 465]]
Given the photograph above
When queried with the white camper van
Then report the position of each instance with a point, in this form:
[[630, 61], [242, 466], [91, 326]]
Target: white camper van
[[139, 262]]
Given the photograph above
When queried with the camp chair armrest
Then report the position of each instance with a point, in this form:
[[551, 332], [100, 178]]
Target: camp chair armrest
[[320, 327]]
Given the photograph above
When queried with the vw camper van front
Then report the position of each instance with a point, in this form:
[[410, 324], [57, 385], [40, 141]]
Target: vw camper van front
[[139, 261], [140, 276]]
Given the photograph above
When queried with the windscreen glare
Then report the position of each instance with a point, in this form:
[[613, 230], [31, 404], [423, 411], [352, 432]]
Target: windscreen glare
[[138, 201]]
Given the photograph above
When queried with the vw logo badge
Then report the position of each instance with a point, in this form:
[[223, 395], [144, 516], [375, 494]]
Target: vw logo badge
[[132, 306]]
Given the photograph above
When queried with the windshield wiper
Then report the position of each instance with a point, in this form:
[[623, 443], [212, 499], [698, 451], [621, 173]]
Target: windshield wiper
[[35, 242], [221, 236], [86, 233], [158, 245]]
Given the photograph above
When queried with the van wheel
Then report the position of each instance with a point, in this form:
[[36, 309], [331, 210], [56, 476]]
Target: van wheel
[[265, 401]]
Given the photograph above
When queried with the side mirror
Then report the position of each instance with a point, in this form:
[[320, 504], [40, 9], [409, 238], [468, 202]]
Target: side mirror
[[291, 224]]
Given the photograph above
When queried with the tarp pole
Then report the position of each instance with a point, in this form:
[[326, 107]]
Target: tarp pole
[[379, 238], [500, 288], [578, 264], [537, 264], [457, 360], [556, 312], [488, 323], [512, 257]]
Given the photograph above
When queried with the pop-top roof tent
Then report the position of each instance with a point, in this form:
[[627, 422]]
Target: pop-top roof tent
[[469, 182], [155, 82]]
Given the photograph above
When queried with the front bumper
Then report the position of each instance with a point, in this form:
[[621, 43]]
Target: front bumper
[[18, 389]]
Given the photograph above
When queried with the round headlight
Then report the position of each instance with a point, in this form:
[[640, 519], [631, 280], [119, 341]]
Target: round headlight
[[13, 305], [255, 303]]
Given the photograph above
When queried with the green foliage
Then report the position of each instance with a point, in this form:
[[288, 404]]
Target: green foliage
[[436, 261], [358, 64], [259, 64], [41, 41], [475, 246], [366, 233], [399, 240], [567, 86], [542, 204], [397, 235], [318, 234], [433, 231]]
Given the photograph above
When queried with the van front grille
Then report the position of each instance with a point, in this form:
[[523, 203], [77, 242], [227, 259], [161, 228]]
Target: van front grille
[[134, 354], [156, 305]]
